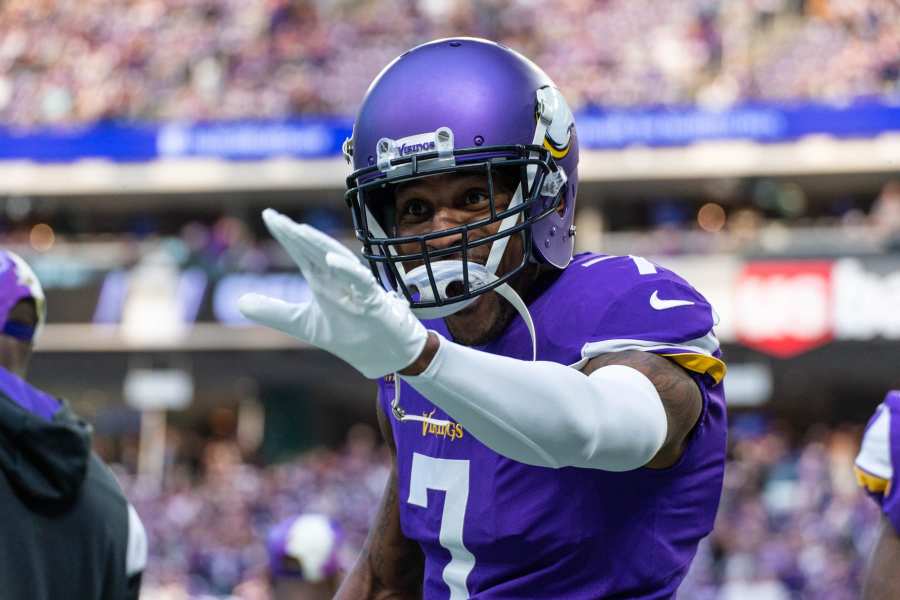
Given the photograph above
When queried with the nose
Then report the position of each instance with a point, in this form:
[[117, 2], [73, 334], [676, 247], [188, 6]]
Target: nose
[[443, 219]]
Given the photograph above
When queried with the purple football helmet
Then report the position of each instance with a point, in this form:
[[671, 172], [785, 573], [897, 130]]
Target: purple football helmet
[[462, 105], [18, 282], [306, 546]]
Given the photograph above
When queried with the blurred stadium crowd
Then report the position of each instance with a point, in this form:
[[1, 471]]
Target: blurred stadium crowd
[[65, 61], [208, 528], [792, 523]]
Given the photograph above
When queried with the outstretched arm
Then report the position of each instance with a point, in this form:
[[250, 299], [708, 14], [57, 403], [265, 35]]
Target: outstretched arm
[[617, 417], [625, 410], [390, 566]]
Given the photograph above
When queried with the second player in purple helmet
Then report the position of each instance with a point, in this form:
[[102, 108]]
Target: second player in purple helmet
[[305, 558], [557, 421]]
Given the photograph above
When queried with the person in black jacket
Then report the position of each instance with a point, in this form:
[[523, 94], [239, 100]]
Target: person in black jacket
[[67, 530]]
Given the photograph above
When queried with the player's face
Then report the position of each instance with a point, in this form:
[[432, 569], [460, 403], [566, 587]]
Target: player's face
[[446, 201], [15, 353]]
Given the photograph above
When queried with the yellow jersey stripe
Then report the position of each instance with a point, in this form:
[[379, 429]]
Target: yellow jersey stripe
[[872, 483], [700, 363]]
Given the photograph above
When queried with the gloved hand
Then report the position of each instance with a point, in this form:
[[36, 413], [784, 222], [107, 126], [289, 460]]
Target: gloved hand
[[350, 315]]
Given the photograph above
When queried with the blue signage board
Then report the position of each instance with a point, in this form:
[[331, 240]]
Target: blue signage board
[[321, 137], [609, 129], [232, 140]]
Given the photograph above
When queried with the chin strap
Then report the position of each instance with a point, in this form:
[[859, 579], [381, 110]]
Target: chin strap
[[507, 292]]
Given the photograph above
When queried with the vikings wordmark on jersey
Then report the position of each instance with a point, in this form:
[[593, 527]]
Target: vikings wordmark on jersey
[[449, 429], [491, 527]]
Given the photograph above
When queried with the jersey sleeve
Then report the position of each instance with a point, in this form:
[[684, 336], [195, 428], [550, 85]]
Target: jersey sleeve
[[654, 310], [878, 453]]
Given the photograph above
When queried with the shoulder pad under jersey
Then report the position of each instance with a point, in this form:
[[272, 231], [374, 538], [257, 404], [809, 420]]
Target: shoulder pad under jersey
[[631, 303], [878, 453]]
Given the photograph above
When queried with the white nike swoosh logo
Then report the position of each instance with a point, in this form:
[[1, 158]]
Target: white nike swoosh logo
[[660, 304]]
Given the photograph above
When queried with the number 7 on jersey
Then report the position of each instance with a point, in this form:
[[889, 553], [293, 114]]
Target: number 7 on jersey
[[451, 477]]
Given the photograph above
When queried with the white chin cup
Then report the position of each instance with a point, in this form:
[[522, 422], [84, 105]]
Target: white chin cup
[[445, 273]]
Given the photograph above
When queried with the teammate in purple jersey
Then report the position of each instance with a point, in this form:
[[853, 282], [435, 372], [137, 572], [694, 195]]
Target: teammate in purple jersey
[[557, 422], [68, 530], [879, 456]]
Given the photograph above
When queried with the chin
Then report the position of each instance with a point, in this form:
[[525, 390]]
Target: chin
[[481, 322]]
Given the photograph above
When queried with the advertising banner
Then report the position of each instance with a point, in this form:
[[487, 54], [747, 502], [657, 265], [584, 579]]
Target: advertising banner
[[321, 137], [781, 307]]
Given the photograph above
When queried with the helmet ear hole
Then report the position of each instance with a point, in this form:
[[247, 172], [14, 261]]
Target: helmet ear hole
[[563, 194]]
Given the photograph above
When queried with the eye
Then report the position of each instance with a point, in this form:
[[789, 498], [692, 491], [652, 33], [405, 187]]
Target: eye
[[476, 198], [414, 210]]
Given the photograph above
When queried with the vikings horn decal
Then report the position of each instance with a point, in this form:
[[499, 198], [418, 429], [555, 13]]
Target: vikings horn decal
[[559, 133]]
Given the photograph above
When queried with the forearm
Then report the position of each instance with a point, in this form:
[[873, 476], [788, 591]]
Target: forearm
[[546, 414], [360, 584], [882, 580], [390, 566], [357, 583]]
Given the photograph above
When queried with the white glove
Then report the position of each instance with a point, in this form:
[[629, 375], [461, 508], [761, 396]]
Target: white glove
[[350, 315]]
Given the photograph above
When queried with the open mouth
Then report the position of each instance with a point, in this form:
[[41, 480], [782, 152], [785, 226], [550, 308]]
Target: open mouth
[[456, 288]]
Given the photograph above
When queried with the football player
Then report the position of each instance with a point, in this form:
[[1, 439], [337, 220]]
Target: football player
[[875, 473], [557, 422], [68, 531]]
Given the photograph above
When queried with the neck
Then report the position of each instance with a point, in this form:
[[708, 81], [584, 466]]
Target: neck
[[13, 357], [529, 284], [542, 278]]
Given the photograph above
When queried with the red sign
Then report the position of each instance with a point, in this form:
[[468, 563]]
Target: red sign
[[784, 308]]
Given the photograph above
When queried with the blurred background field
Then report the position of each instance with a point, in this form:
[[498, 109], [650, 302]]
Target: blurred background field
[[751, 145]]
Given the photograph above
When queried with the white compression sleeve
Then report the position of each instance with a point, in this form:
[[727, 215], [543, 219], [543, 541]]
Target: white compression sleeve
[[546, 414]]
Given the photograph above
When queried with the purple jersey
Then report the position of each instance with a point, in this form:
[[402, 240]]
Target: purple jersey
[[878, 456], [491, 527], [27, 396]]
